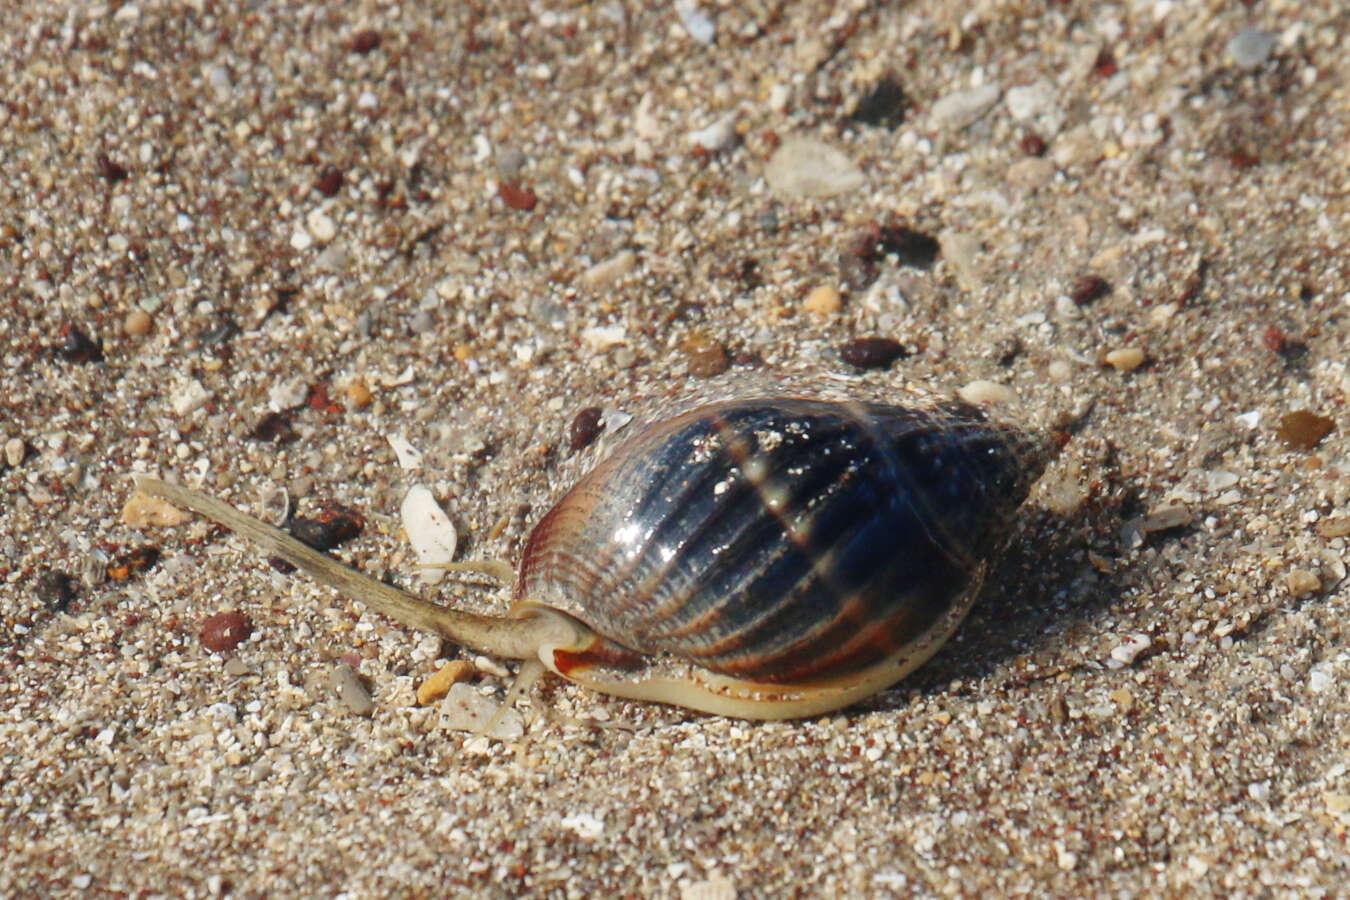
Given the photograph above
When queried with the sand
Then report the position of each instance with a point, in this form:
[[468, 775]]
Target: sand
[[246, 247]]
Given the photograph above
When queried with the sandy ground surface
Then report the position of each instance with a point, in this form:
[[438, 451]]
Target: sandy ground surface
[[244, 244]]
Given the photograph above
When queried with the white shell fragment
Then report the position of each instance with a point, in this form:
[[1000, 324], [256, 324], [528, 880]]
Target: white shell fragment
[[806, 167], [409, 457], [464, 709], [987, 393], [430, 532]]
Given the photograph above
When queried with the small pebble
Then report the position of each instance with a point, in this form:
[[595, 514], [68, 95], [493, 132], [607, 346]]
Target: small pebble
[[236, 667], [1337, 804], [444, 678], [720, 135], [705, 354], [409, 457], [1089, 289], [1250, 48], [464, 709], [823, 300], [321, 226], [697, 23], [358, 392], [962, 251], [601, 337], [517, 196], [329, 181], [585, 428], [871, 352], [1304, 429], [76, 346], [715, 887], [1128, 652], [1301, 582], [430, 532], [1059, 370], [1125, 359], [806, 167], [1334, 527], [983, 393], [962, 108], [15, 450], [610, 270], [225, 631], [138, 323], [352, 690], [144, 511], [1123, 699]]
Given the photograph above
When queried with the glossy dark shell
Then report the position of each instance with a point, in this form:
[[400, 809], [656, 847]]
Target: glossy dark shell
[[782, 540]]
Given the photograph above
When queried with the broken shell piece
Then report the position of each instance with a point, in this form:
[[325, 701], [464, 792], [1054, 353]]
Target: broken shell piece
[[430, 532]]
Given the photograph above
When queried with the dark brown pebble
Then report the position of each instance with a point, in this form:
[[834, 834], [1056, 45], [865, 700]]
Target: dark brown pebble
[[133, 563], [517, 196], [871, 352], [1304, 430], [1033, 145], [335, 525], [910, 247], [275, 428], [78, 347], [585, 428], [56, 589], [365, 41], [885, 105], [1089, 289], [706, 355], [225, 631], [329, 181], [109, 170]]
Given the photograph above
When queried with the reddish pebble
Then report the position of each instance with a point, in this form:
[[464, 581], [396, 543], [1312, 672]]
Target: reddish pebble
[[517, 196], [329, 181], [1303, 429], [1089, 289], [1273, 339], [133, 563], [1033, 145], [871, 352], [586, 427], [225, 631], [365, 41]]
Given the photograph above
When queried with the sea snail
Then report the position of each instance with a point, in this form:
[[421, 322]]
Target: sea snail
[[763, 558]]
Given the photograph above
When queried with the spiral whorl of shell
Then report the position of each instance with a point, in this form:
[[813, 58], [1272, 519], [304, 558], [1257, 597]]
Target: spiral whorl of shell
[[784, 541]]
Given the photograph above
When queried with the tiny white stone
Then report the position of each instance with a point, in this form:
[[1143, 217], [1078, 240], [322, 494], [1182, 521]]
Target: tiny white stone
[[601, 337], [1126, 653], [464, 709], [320, 226], [430, 532], [806, 167], [586, 826], [288, 394], [188, 396], [610, 270], [301, 240], [718, 136], [409, 457], [700, 27], [983, 392], [962, 108]]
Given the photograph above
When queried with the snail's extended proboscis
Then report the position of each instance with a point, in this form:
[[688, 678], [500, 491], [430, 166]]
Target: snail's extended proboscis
[[763, 558]]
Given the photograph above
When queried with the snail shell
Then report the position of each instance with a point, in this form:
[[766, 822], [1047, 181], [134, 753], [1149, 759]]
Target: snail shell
[[763, 558]]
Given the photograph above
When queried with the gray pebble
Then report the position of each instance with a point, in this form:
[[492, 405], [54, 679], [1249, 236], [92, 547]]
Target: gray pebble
[[956, 111], [353, 691], [1251, 47]]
